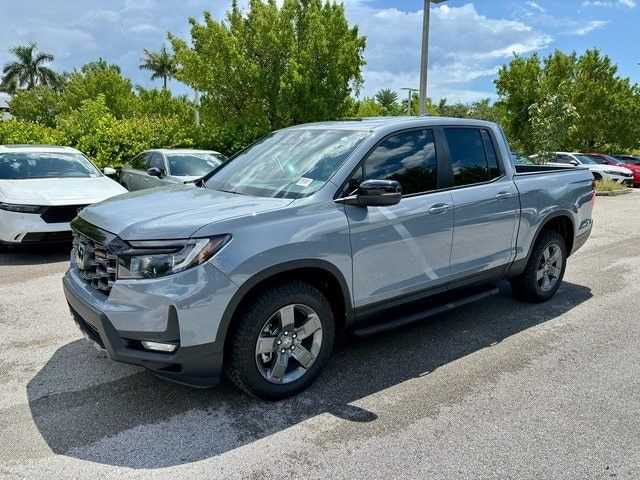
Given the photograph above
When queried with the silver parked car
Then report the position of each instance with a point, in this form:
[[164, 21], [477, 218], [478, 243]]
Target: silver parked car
[[161, 167]]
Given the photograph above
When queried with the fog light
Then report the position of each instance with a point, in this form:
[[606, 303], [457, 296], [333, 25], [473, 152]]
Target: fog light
[[160, 347]]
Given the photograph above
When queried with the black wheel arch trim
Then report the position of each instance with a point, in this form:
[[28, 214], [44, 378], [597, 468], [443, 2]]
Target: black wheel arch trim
[[518, 266], [280, 268]]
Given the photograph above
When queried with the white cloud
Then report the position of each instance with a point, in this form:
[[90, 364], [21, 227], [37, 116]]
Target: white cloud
[[465, 46], [535, 6], [589, 27], [609, 3]]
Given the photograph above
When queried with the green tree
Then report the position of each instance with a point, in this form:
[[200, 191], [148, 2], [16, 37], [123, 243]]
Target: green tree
[[455, 110], [553, 120], [99, 78], [29, 69], [161, 64], [387, 98], [593, 108], [518, 86], [39, 105], [270, 66], [370, 107]]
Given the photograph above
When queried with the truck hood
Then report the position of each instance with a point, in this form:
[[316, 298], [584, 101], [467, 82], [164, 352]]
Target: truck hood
[[58, 191], [172, 212]]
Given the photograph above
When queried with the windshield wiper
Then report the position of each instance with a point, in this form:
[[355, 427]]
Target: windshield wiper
[[230, 191], [198, 183]]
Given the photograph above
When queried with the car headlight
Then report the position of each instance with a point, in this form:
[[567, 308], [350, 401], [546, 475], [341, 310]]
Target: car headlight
[[161, 258], [12, 207], [610, 172]]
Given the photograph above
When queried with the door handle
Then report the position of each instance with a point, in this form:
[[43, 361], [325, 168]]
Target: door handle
[[439, 208], [504, 195]]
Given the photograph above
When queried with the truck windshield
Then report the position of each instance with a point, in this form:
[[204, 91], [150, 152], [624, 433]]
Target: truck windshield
[[287, 164], [21, 166]]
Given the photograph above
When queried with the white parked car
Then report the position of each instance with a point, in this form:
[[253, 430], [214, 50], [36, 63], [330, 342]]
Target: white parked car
[[600, 172], [43, 187]]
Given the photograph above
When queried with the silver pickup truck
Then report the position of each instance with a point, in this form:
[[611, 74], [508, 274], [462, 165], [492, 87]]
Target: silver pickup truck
[[355, 226]]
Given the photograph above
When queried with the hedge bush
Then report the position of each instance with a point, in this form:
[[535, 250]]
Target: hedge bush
[[109, 141]]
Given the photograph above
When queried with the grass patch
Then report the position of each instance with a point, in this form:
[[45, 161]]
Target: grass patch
[[609, 186]]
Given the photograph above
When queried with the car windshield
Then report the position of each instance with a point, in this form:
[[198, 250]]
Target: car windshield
[[287, 164], [193, 164], [585, 159], [520, 159], [22, 166]]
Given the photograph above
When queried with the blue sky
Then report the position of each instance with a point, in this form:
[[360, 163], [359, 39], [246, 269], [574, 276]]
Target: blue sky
[[469, 39]]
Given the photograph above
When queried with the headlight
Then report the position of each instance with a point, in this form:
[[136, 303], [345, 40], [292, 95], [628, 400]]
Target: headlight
[[11, 207], [159, 259], [610, 172]]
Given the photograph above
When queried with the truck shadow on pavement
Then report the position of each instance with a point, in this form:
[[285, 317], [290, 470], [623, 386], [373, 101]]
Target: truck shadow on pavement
[[35, 254], [88, 407]]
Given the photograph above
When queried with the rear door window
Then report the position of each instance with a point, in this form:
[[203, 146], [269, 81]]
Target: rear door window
[[473, 157]]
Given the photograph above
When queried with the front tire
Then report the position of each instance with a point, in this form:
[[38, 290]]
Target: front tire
[[282, 339], [544, 271]]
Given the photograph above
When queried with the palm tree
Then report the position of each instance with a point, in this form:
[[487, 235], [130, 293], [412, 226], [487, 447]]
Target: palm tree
[[162, 64], [29, 69], [387, 98]]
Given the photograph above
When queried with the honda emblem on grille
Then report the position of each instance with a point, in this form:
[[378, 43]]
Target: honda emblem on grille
[[80, 256]]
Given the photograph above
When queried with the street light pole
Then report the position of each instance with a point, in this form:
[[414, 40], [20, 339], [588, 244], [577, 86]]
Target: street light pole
[[410, 90], [424, 57]]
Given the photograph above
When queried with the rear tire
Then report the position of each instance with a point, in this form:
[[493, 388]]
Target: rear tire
[[282, 339], [544, 271]]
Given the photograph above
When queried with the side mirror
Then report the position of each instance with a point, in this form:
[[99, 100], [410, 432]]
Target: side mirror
[[155, 172], [375, 193], [108, 171], [574, 163]]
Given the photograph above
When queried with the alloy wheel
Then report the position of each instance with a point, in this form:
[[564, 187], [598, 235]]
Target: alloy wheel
[[289, 343], [549, 267]]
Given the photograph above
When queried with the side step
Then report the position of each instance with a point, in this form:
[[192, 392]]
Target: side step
[[417, 314]]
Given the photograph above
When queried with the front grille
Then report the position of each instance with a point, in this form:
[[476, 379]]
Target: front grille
[[47, 237], [94, 262], [61, 214]]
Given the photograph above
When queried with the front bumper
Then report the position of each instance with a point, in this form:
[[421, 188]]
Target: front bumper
[[26, 228], [157, 311], [628, 181]]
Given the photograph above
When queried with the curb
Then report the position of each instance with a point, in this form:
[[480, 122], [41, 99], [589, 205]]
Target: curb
[[613, 193]]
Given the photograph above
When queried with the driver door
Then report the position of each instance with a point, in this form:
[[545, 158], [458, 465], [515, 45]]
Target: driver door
[[402, 249]]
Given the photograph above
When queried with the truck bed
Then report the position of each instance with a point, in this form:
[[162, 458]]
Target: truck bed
[[522, 169]]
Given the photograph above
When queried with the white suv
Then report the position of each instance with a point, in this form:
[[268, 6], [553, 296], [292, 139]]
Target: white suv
[[600, 172], [41, 190]]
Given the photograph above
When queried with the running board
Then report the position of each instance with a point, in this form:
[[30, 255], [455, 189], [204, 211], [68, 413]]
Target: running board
[[418, 314]]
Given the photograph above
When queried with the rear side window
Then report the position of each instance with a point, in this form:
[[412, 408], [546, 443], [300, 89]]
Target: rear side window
[[407, 157], [563, 159], [473, 157]]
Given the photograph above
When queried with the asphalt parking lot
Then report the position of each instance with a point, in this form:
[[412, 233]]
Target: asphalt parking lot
[[498, 389]]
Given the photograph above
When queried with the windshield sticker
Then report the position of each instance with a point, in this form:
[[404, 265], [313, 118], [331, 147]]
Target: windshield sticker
[[304, 182]]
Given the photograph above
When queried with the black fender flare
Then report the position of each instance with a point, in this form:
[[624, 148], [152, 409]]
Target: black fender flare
[[518, 266], [273, 270]]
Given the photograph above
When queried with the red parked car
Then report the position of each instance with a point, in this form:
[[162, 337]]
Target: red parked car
[[626, 161]]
